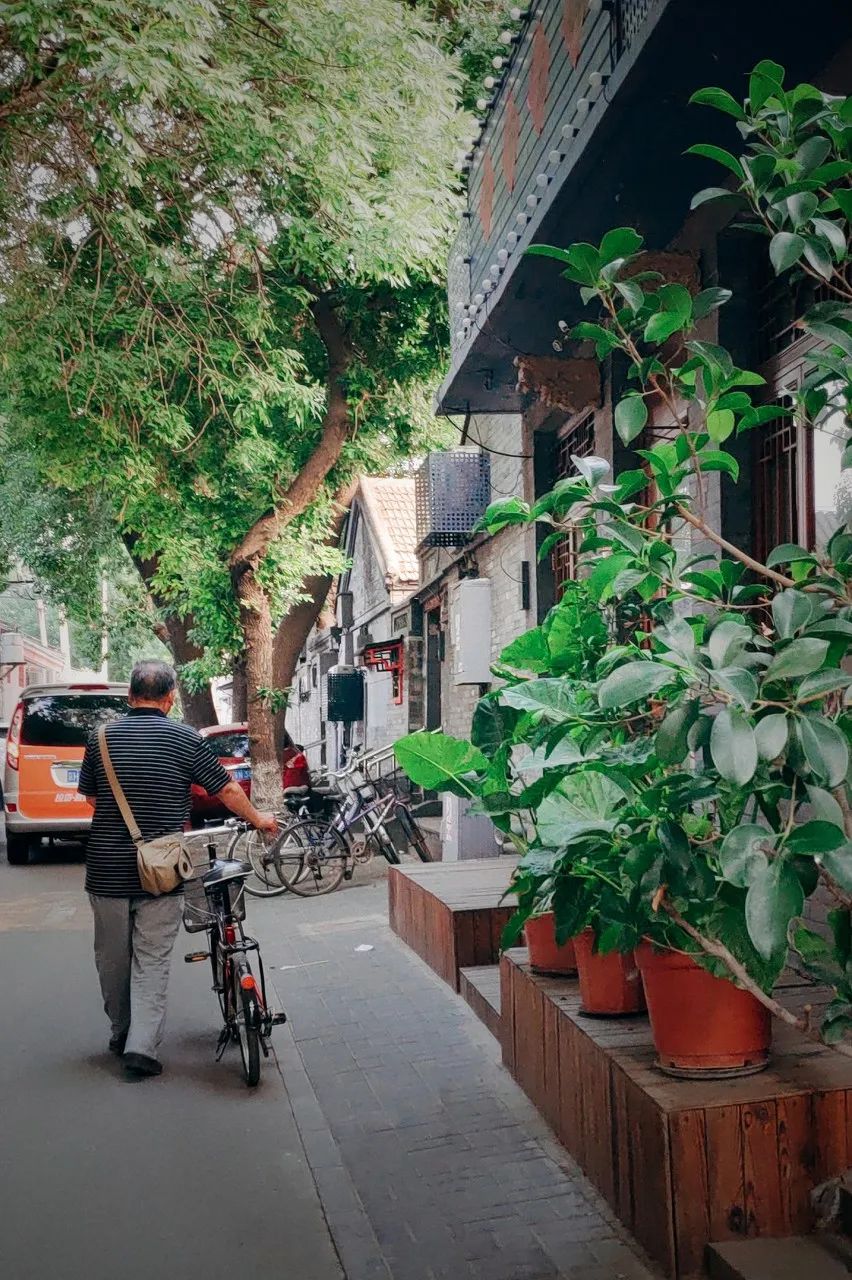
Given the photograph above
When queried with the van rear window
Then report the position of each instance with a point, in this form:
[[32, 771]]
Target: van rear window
[[68, 719], [235, 745]]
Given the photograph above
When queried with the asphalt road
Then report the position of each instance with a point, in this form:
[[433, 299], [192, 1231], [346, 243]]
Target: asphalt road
[[190, 1175]]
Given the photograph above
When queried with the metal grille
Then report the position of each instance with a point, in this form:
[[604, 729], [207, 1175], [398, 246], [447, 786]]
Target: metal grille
[[452, 490], [777, 487], [632, 15], [565, 557]]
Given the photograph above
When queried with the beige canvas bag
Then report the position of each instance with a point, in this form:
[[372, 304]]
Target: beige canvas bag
[[162, 863]]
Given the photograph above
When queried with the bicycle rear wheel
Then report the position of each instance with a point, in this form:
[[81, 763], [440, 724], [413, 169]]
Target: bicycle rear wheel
[[247, 1016], [311, 857], [412, 833]]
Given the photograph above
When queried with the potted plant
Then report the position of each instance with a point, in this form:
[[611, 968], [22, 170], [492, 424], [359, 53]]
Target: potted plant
[[669, 750]]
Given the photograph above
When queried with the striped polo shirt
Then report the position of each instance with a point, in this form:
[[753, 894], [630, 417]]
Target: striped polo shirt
[[156, 759]]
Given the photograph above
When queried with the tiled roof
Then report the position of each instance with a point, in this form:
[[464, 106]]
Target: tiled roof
[[389, 506]]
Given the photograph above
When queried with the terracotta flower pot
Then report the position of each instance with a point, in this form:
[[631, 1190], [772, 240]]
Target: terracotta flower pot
[[610, 985], [546, 956], [702, 1025]]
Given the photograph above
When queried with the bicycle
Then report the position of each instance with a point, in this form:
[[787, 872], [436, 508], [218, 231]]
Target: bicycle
[[313, 856], [215, 902]]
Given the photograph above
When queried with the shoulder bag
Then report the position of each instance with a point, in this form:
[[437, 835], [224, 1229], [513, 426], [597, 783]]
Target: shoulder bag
[[162, 863]]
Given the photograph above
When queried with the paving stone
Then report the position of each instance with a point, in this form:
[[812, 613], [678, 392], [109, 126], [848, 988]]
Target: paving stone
[[430, 1161]]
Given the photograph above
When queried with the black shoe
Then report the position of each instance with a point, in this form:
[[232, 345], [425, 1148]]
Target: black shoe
[[117, 1043], [141, 1065]]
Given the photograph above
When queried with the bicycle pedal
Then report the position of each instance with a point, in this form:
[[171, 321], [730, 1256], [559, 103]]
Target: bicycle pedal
[[278, 1019], [193, 957], [348, 873]]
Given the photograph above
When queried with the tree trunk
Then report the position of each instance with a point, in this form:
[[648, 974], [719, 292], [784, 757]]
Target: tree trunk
[[247, 556], [199, 710], [256, 623], [239, 695], [295, 627]]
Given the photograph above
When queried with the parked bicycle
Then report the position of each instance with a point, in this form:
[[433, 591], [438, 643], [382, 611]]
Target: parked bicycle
[[312, 855], [215, 902]]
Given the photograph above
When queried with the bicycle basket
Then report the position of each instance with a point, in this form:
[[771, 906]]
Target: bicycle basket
[[196, 906]]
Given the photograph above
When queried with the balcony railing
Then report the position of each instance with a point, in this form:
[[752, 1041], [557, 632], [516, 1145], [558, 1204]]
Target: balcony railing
[[556, 81]]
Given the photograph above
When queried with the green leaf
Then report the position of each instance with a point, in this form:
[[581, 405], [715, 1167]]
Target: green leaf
[[721, 100], [529, 652], [742, 852], [774, 897], [727, 639], [632, 294], [831, 333], [550, 696], [786, 554], [507, 511], [631, 415], [718, 460], [709, 300], [824, 748], [621, 242], [815, 837], [671, 742], [771, 736], [799, 658], [733, 746], [633, 682], [604, 340], [825, 807], [835, 236], [492, 724], [765, 82], [582, 803], [791, 610], [591, 468], [564, 753], [439, 762], [720, 424], [838, 863], [819, 257], [785, 250], [738, 684], [812, 153], [801, 207], [662, 325], [824, 682], [712, 193], [718, 154]]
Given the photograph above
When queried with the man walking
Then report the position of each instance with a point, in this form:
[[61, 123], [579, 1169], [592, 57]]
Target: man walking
[[156, 760]]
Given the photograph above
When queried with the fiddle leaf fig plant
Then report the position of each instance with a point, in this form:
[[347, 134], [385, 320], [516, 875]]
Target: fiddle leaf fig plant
[[670, 750]]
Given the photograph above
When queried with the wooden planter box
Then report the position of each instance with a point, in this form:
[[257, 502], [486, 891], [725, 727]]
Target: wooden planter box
[[682, 1163]]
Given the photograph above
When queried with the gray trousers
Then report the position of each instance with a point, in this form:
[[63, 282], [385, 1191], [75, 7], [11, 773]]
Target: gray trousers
[[134, 938]]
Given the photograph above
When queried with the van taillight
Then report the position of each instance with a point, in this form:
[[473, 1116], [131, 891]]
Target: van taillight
[[13, 740]]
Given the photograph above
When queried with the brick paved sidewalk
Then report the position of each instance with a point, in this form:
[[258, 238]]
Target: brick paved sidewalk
[[430, 1162]]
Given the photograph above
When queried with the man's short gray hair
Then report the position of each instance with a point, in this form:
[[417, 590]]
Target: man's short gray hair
[[152, 680]]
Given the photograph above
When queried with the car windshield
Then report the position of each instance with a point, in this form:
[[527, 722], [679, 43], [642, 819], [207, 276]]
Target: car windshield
[[230, 746], [68, 719]]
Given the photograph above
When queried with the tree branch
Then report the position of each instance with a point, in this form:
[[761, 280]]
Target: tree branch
[[736, 552]]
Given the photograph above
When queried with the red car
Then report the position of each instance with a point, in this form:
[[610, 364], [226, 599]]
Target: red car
[[231, 744]]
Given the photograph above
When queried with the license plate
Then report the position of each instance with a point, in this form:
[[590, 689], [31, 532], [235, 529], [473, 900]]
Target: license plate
[[242, 773], [72, 777]]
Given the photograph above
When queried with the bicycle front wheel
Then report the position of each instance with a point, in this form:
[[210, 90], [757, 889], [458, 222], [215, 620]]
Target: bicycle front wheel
[[311, 858], [414, 836], [266, 882]]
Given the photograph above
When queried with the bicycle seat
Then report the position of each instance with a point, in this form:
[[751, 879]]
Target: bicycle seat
[[324, 790], [224, 869], [296, 793]]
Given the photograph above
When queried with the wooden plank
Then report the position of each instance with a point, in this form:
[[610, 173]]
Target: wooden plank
[[623, 1156], [688, 1146], [725, 1173], [829, 1132], [764, 1216], [595, 1116], [795, 1163], [507, 1012], [529, 1033], [570, 1100], [653, 1220], [550, 1082]]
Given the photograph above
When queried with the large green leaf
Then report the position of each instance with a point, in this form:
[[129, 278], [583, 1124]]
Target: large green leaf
[[672, 738], [439, 762], [582, 803], [824, 748], [551, 696], [799, 658], [719, 154], [564, 753], [620, 242], [743, 852], [492, 724], [838, 864], [733, 746], [738, 684], [633, 682], [825, 807], [785, 250], [529, 652], [774, 898], [815, 836], [727, 640], [721, 100], [791, 610]]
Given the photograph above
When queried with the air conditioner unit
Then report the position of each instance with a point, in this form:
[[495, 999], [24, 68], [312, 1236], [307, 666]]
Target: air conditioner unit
[[452, 490], [470, 630]]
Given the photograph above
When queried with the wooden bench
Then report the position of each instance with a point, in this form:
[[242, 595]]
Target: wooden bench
[[450, 913], [682, 1163]]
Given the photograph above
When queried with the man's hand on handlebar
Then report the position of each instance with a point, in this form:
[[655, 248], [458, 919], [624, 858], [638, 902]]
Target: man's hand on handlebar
[[267, 823]]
